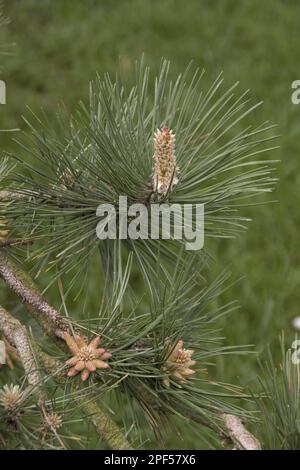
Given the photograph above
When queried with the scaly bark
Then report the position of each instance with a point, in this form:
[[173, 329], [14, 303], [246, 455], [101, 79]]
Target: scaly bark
[[16, 334], [21, 283]]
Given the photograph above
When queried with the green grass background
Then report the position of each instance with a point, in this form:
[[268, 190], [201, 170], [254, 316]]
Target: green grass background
[[61, 44]]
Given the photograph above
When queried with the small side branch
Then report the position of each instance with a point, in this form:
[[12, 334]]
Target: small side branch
[[106, 427], [16, 335], [15, 242], [242, 439], [228, 427]]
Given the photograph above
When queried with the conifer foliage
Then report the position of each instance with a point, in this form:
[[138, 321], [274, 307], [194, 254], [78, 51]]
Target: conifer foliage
[[132, 367]]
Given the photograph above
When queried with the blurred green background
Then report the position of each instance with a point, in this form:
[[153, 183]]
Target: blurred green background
[[59, 46]]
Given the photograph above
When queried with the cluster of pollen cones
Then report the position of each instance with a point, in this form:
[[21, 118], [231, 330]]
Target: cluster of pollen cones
[[87, 357]]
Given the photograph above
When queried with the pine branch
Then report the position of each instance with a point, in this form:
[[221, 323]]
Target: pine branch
[[16, 335], [106, 427], [21, 283], [109, 152], [15, 242], [238, 434], [113, 147]]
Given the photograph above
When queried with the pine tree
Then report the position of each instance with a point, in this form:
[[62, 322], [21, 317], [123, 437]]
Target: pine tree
[[131, 366]]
